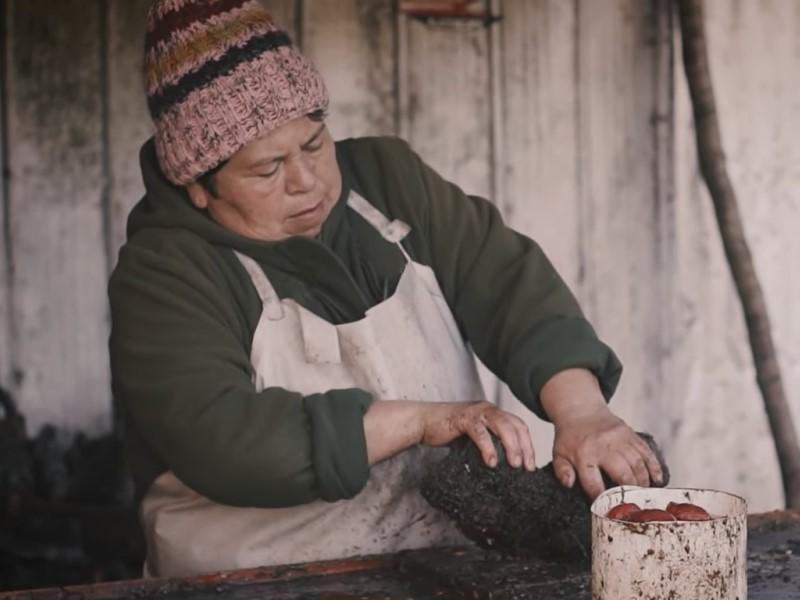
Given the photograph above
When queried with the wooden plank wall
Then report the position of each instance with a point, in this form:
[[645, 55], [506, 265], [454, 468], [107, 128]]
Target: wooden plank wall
[[54, 103], [355, 40], [6, 322], [571, 115], [619, 204], [128, 119]]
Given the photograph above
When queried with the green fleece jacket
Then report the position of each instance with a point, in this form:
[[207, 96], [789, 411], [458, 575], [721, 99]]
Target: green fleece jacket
[[184, 312]]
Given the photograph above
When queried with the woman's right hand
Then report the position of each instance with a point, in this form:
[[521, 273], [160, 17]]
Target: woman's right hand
[[442, 422]]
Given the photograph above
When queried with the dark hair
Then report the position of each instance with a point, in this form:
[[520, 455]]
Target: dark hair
[[207, 179]]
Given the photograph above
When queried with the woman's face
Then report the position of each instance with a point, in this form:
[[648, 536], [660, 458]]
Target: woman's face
[[280, 185]]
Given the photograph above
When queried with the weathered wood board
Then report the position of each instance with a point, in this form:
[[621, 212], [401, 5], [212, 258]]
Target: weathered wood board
[[129, 122], [56, 206], [540, 128], [621, 285], [6, 315], [446, 111], [352, 43]]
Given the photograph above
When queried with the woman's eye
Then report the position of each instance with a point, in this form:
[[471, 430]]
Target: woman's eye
[[270, 173], [314, 148]]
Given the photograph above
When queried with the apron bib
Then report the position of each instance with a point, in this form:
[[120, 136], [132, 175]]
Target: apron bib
[[407, 347]]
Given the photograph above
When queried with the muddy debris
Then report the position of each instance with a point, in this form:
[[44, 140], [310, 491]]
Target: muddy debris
[[514, 511]]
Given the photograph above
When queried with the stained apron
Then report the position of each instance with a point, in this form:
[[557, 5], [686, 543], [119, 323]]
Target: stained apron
[[407, 347]]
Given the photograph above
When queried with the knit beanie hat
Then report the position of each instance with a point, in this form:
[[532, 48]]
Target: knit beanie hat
[[218, 75]]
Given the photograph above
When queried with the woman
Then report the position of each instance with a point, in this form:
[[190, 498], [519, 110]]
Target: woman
[[291, 319]]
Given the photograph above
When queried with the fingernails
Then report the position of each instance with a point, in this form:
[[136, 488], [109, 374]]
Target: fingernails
[[493, 462]]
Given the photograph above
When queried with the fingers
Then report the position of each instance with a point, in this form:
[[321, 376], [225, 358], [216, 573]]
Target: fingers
[[591, 479], [564, 471], [650, 461], [484, 419], [505, 430], [643, 462], [626, 467], [621, 469], [637, 464], [603, 443], [479, 434], [514, 436], [528, 454]]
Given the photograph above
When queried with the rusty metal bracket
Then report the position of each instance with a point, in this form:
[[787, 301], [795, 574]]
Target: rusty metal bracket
[[478, 10]]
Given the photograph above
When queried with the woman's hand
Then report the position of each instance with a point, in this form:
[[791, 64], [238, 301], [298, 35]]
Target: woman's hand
[[444, 422], [599, 441], [391, 426], [589, 438]]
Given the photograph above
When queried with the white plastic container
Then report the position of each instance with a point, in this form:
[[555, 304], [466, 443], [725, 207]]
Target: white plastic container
[[682, 560]]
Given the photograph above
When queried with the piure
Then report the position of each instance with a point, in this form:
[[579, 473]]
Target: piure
[[675, 511]]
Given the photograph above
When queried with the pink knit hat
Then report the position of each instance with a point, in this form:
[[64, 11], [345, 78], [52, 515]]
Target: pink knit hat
[[218, 75]]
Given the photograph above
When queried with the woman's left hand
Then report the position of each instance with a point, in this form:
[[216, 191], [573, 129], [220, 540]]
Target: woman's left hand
[[591, 440], [600, 441]]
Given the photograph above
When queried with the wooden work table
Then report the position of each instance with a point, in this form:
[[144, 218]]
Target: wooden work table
[[773, 574]]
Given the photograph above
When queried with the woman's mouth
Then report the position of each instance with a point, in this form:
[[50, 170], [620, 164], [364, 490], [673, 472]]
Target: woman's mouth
[[310, 212]]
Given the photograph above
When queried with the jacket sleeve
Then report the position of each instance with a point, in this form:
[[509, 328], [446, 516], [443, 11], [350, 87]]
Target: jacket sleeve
[[181, 373], [517, 313]]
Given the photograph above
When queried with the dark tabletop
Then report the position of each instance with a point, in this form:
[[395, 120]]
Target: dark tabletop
[[773, 573]]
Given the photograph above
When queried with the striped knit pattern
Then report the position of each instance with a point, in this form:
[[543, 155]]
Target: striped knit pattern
[[218, 75]]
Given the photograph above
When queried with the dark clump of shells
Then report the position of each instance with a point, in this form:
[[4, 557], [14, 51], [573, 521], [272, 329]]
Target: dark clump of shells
[[514, 511]]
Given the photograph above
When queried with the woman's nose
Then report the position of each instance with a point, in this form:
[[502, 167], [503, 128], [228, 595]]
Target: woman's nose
[[300, 176]]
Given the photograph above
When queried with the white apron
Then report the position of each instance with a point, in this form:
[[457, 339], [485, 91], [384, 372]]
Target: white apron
[[408, 347]]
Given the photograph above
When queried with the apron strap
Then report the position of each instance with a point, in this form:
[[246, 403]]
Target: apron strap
[[392, 231], [269, 297]]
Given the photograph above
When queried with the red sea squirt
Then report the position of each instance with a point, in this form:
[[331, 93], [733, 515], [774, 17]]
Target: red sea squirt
[[649, 515], [621, 511], [684, 511]]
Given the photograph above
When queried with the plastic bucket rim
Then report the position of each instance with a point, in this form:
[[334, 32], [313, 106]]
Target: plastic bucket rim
[[623, 488]]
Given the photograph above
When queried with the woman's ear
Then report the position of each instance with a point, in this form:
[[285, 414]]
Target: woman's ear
[[198, 195]]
